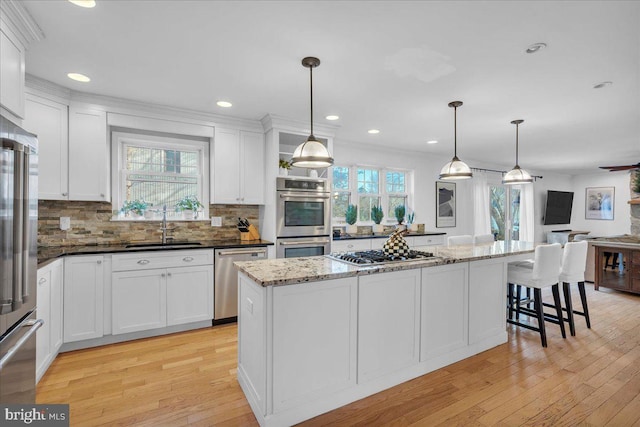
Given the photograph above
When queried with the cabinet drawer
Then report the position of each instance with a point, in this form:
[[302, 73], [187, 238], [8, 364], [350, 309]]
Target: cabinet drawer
[[351, 245], [427, 240], [161, 259]]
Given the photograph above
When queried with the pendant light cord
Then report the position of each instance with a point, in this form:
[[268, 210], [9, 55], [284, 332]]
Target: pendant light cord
[[517, 124], [311, 92], [455, 132]]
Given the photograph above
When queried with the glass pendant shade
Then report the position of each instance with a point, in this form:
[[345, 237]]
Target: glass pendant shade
[[455, 169], [311, 153], [517, 175]]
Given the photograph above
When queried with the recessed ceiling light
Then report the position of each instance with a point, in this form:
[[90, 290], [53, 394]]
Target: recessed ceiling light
[[84, 3], [373, 131], [536, 47], [433, 141], [224, 104], [332, 117], [602, 84], [79, 77]]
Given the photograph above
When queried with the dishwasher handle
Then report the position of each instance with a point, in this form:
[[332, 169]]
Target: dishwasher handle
[[242, 252]]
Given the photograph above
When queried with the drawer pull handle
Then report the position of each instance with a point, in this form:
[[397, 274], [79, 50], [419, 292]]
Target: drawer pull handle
[[169, 274], [99, 262], [187, 259], [162, 275], [42, 280], [143, 262]]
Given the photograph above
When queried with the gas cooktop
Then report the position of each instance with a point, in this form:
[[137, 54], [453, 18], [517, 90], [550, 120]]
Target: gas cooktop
[[375, 257]]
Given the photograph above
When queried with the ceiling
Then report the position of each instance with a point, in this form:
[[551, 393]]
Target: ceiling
[[388, 65]]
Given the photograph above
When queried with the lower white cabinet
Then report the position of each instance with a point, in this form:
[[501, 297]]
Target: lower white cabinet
[[159, 289], [49, 300], [83, 297], [351, 245], [487, 290], [388, 322]]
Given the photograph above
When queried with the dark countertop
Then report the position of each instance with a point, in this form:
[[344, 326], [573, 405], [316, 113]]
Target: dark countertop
[[380, 236], [47, 254]]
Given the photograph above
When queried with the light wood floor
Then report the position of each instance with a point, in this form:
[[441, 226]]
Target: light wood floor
[[190, 379]]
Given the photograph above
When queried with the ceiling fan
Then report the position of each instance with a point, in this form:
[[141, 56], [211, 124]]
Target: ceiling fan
[[621, 168]]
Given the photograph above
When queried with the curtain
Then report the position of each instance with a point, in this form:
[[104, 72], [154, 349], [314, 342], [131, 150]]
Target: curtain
[[527, 232], [481, 205]]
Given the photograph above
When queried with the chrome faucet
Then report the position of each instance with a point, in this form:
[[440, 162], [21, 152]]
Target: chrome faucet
[[164, 228]]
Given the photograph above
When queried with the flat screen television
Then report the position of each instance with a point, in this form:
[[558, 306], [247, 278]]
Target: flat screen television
[[558, 209]]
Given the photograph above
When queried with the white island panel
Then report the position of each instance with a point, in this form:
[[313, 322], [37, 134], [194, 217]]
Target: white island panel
[[487, 300]]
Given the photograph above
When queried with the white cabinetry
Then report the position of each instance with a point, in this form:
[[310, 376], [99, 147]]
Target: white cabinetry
[[153, 290], [322, 357], [414, 241], [351, 245], [11, 72], [388, 323], [49, 336], [238, 167], [88, 154], [49, 120], [487, 290], [83, 297], [444, 320]]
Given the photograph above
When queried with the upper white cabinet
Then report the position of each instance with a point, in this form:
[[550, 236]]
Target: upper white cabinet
[[88, 154], [49, 121], [11, 73], [238, 167]]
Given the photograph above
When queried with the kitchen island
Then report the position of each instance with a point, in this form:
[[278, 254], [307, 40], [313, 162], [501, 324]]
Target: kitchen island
[[315, 333]]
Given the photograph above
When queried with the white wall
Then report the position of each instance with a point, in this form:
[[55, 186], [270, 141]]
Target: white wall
[[621, 223]]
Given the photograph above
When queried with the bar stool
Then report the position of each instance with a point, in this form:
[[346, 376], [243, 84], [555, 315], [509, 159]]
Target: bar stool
[[539, 274], [483, 238], [574, 263], [464, 239]]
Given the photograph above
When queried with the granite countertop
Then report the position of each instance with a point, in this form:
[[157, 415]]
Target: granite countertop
[[380, 236], [47, 254], [287, 271], [624, 241]]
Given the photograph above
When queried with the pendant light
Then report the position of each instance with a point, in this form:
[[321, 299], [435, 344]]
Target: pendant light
[[456, 168], [517, 175], [311, 153]]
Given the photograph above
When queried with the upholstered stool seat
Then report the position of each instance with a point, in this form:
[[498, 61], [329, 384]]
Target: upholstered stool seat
[[483, 238], [538, 274]]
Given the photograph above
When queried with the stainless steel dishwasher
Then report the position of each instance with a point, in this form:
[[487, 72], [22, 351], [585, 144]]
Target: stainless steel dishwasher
[[225, 283]]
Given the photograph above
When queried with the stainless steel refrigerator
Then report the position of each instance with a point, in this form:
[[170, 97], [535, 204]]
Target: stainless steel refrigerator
[[18, 262]]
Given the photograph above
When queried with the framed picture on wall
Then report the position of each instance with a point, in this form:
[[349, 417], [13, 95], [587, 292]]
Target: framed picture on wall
[[445, 204], [599, 202]]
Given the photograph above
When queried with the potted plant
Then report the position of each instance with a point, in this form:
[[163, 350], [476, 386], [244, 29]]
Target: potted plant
[[399, 213], [134, 207], [413, 227], [351, 216], [189, 205], [284, 166], [376, 215]]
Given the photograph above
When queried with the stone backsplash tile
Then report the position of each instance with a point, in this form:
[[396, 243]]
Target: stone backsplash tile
[[91, 224]]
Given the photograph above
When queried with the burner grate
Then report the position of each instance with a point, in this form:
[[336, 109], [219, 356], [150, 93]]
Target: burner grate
[[378, 257]]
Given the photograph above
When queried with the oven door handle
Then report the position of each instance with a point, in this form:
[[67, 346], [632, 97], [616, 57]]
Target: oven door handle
[[302, 196], [35, 325], [306, 242]]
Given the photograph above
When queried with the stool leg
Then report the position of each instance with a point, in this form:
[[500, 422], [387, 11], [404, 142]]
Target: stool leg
[[510, 300], [518, 297], [566, 289], [556, 300], [537, 303], [585, 308]]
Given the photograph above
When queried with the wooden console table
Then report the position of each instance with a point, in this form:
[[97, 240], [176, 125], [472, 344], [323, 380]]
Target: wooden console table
[[617, 267]]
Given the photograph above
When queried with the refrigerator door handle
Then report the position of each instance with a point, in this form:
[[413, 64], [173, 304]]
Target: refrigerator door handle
[[35, 325]]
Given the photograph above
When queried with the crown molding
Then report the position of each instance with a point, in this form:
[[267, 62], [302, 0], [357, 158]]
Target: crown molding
[[274, 121], [20, 21]]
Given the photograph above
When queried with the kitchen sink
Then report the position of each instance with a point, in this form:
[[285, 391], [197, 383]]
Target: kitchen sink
[[168, 245]]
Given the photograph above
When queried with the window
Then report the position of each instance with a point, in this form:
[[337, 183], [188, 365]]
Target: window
[[505, 223], [370, 187], [159, 170]]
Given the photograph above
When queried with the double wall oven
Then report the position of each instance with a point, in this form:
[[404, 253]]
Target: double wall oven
[[303, 213]]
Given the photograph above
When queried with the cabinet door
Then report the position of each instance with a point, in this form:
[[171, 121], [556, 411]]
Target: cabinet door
[[487, 299], [11, 73], [138, 300], [88, 155], [48, 119], [55, 316], [189, 294], [83, 298], [252, 168], [388, 323], [43, 345], [444, 322], [226, 167]]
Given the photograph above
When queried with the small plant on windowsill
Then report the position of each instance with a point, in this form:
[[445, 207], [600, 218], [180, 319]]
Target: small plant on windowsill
[[376, 215], [135, 207], [189, 206], [636, 182], [351, 216], [284, 167], [399, 212], [411, 222]]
